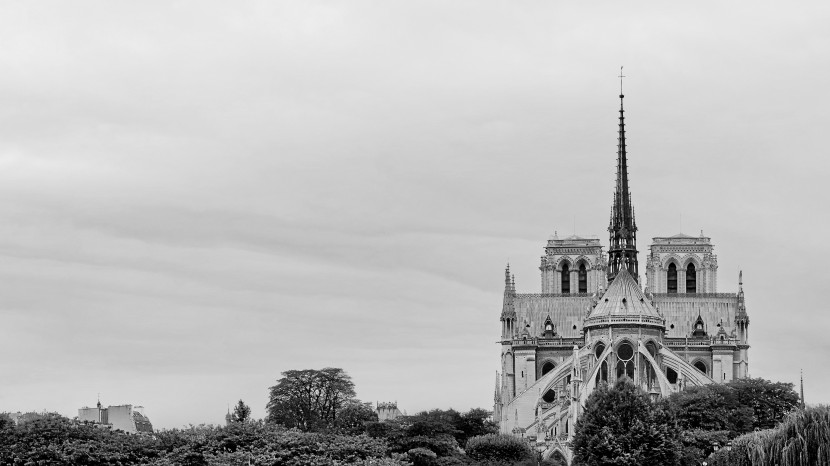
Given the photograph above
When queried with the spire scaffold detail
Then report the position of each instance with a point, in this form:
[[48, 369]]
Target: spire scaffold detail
[[622, 252]]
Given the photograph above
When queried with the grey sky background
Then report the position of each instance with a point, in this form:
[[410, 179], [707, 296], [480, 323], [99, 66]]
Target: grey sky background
[[197, 196]]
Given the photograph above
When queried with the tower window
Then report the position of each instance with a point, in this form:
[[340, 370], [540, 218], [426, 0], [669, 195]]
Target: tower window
[[566, 278], [671, 278], [547, 367], [700, 366], [691, 279], [583, 278]]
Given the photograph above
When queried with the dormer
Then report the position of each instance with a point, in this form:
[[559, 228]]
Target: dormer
[[549, 329], [699, 328]]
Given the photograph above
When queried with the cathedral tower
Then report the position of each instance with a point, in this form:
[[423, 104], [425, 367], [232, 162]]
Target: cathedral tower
[[622, 229]]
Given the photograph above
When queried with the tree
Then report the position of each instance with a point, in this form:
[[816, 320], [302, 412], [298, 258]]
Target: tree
[[473, 423], [770, 401], [713, 407], [353, 417], [241, 412], [621, 426], [309, 399]]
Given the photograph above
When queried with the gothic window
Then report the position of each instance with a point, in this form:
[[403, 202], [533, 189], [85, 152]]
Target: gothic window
[[566, 278], [700, 366], [599, 349], [671, 375], [583, 278], [652, 349], [625, 361], [671, 278], [602, 375], [547, 367], [691, 279], [549, 396]]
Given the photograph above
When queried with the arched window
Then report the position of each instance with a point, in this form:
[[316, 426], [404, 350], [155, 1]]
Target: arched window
[[671, 375], [625, 361], [691, 279], [652, 349], [671, 279], [700, 366], [549, 396], [566, 278], [602, 375], [599, 349], [547, 367], [583, 278]]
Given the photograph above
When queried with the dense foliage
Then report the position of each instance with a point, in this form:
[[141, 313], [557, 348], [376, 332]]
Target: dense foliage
[[442, 432], [802, 439], [738, 407], [55, 440], [622, 426]]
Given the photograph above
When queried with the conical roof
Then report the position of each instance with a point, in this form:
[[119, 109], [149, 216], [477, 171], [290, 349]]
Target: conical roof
[[624, 303]]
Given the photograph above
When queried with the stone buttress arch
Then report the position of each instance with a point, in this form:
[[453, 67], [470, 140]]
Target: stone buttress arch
[[684, 369]]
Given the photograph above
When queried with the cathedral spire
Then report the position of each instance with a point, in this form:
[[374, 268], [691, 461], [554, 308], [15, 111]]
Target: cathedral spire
[[802, 388], [622, 229]]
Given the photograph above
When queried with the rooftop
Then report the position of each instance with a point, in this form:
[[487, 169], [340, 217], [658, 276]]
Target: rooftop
[[624, 302]]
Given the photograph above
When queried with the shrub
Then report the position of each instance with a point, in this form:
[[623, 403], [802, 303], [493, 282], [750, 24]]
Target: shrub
[[499, 448], [422, 456]]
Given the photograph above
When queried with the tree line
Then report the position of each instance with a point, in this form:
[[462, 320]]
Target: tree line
[[314, 418]]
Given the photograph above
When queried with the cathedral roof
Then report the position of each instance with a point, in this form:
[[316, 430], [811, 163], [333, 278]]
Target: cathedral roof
[[624, 302]]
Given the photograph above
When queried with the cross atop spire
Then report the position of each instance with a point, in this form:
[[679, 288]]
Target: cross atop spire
[[622, 229], [621, 76]]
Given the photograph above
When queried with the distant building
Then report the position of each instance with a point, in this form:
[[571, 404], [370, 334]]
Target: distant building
[[129, 418], [387, 411]]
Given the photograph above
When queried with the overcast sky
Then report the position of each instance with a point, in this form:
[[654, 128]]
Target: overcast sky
[[197, 196]]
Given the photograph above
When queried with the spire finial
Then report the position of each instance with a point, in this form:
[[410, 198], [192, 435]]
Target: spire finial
[[621, 76], [741, 280]]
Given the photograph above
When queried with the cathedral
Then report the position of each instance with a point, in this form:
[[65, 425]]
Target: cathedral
[[594, 323]]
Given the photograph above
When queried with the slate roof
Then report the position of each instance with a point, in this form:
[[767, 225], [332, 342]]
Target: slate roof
[[625, 301]]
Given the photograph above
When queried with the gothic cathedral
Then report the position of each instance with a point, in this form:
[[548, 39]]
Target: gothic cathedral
[[593, 323]]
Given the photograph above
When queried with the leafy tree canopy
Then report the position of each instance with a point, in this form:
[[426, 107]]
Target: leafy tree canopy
[[241, 412], [309, 399], [621, 426]]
